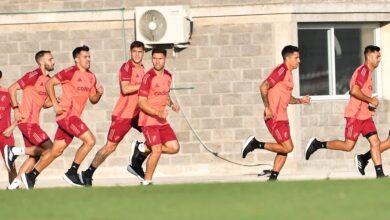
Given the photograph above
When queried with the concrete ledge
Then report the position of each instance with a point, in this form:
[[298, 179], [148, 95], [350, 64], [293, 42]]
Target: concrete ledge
[[361, 9]]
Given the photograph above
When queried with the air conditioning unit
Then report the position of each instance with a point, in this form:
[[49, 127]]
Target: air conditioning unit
[[163, 25]]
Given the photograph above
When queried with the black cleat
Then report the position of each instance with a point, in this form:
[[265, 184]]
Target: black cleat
[[248, 146], [136, 171], [265, 173], [138, 157], [312, 146], [85, 180], [136, 161], [73, 179], [27, 181], [360, 164], [9, 157]]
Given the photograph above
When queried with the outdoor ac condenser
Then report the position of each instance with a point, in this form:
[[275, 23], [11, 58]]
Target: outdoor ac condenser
[[163, 25]]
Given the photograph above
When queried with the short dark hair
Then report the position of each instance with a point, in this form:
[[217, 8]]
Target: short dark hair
[[40, 54], [159, 50], [371, 49], [78, 50], [1, 74], [288, 50], [137, 44]]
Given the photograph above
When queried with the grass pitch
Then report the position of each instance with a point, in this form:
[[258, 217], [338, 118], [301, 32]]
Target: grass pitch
[[322, 200]]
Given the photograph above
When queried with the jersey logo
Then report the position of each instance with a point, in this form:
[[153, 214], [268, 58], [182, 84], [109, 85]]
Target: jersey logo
[[157, 85], [79, 80], [41, 83]]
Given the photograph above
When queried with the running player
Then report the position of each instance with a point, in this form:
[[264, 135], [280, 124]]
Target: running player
[[125, 114], [153, 99], [34, 98], [357, 114], [6, 128], [78, 85], [276, 92]]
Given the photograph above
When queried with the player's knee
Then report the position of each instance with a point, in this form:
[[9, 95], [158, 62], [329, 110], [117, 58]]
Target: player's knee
[[349, 147], [90, 142], [175, 149], [58, 151], [375, 144], [289, 149], [157, 149]]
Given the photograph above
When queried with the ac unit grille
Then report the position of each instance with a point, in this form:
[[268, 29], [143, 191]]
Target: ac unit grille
[[153, 25]]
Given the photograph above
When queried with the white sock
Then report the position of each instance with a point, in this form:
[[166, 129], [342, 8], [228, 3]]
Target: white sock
[[147, 182], [18, 151], [141, 147]]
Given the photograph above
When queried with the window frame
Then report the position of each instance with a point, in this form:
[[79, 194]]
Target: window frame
[[330, 27]]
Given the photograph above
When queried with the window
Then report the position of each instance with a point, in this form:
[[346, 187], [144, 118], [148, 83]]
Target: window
[[330, 53]]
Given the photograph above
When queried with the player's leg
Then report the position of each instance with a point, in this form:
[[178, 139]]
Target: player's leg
[[100, 157], [352, 131], [151, 164], [281, 157], [280, 130], [58, 148], [376, 154], [71, 176], [361, 160]]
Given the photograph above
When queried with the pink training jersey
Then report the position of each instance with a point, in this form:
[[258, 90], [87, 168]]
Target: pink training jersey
[[77, 87], [279, 95], [34, 95], [357, 108], [5, 110], [127, 105], [156, 89]]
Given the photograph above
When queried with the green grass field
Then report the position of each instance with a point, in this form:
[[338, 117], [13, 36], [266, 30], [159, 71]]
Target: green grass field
[[323, 200]]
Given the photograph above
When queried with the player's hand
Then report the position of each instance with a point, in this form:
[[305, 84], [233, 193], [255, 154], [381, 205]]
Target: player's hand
[[374, 101], [17, 115], [99, 89], [305, 99], [7, 132], [59, 110], [373, 113], [162, 114], [175, 108], [268, 113]]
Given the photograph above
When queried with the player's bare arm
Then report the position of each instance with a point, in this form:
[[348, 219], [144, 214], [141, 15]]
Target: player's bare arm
[[174, 107], [144, 106], [7, 132], [14, 101], [47, 104], [94, 99], [357, 93], [127, 88], [303, 100], [52, 95], [264, 88]]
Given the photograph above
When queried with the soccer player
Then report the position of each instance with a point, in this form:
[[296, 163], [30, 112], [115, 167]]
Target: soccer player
[[6, 128], [361, 160], [34, 98], [153, 99], [276, 92], [126, 111], [78, 85], [357, 113]]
